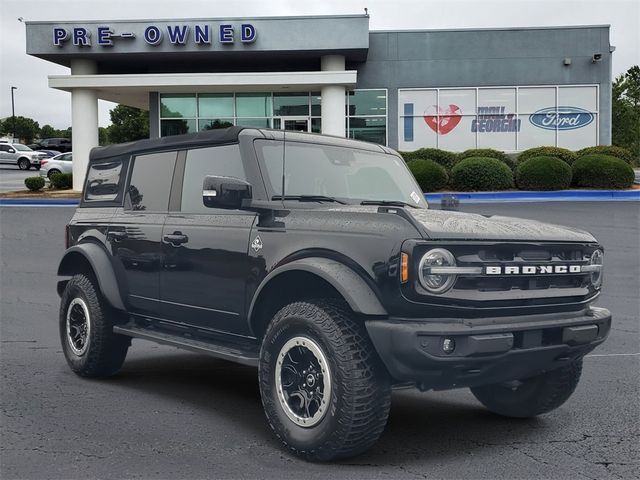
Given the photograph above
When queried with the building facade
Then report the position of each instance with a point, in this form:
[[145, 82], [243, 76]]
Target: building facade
[[509, 89]]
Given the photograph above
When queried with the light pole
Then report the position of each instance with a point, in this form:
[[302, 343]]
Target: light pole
[[13, 116]]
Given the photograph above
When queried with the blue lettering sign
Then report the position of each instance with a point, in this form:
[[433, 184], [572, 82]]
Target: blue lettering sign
[[81, 37], [248, 33], [562, 118], [226, 33], [201, 34], [104, 36], [152, 35], [60, 35], [178, 34]]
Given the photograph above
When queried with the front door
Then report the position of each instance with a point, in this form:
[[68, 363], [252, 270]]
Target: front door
[[296, 124], [205, 261]]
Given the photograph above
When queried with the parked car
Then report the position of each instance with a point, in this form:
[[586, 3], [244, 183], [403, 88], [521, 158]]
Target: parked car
[[50, 153], [21, 155], [316, 260], [61, 163], [60, 144]]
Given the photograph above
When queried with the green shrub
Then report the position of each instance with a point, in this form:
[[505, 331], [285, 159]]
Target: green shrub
[[441, 157], [488, 153], [563, 154], [61, 180], [602, 171], [618, 152], [34, 183], [481, 173], [429, 175], [543, 173]]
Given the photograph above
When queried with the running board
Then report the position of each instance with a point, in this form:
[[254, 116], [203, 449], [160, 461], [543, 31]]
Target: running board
[[232, 353]]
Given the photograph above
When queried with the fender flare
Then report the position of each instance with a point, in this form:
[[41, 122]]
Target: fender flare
[[353, 288], [102, 268]]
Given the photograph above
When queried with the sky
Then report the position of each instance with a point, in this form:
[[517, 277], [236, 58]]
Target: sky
[[34, 99]]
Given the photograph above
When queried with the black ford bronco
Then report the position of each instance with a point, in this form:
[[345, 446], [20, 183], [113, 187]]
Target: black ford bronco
[[316, 260]]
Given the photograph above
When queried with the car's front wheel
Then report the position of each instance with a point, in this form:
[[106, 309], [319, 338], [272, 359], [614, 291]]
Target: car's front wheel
[[86, 330], [532, 396], [24, 164], [325, 392]]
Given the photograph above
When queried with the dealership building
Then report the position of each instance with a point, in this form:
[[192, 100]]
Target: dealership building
[[504, 88]]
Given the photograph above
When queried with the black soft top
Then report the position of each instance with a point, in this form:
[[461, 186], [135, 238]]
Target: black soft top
[[207, 138]]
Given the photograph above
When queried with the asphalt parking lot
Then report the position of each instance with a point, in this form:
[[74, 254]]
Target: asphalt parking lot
[[173, 414], [12, 178]]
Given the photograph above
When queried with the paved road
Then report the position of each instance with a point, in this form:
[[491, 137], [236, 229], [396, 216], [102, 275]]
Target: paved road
[[172, 414], [12, 178]]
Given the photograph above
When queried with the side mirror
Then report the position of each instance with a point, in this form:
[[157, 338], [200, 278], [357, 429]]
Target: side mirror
[[11, 150], [225, 192]]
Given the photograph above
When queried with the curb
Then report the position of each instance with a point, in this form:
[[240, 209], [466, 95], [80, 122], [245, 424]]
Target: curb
[[34, 202], [535, 196]]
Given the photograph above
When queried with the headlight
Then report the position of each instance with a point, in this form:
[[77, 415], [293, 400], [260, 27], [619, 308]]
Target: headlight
[[430, 279], [596, 260]]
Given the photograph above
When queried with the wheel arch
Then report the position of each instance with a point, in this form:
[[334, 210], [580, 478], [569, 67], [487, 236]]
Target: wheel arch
[[93, 259], [309, 277]]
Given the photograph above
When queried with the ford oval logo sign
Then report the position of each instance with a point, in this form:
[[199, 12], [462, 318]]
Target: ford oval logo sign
[[562, 118]]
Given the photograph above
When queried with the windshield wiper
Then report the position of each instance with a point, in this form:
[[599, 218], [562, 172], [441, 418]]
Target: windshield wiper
[[390, 203], [308, 198]]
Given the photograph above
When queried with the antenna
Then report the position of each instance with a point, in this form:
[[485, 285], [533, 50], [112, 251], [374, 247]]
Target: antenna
[[284, 149]]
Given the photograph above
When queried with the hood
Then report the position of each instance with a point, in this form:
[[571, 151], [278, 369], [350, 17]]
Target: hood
[[440, 224]]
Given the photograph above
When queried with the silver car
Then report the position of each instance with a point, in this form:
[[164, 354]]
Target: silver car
[[58, 164], [21, 155]]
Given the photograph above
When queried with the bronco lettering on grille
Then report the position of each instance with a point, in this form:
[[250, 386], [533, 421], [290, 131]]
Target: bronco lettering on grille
[[533, 270]]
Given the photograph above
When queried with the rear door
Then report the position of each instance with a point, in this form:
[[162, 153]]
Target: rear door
[[135, 233], [206, 265], [5, 155]]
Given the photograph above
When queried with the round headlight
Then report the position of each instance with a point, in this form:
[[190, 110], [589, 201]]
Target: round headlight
[[597, 258], [432, 281]]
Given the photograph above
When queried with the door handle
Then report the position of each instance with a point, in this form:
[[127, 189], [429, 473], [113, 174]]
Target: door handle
[[176, 238], [117, 235]]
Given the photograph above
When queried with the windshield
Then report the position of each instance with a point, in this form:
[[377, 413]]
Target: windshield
[[21, 148], [347, 174]]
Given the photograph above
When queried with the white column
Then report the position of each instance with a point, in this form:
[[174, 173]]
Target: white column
[[84, 122], [333, 98]]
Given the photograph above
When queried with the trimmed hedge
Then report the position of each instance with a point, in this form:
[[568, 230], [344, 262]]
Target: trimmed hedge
[[441, 157], [488, 153], [62, 180], [429, 175], [563, 154], [34, 183], [481, 173], [602, 171], [610, 150], [543, 173]]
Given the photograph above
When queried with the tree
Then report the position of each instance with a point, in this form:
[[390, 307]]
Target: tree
[[25, 128], [625, 111], [47, 131], [128, 123], [103, 136]]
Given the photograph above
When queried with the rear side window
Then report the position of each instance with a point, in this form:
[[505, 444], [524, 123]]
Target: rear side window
[[150, 184], [104, 180], [223, 161]]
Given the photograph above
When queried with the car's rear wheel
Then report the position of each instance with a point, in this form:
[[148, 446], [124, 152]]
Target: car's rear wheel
[[24, 164], [53, 172], [532, 396], [325, 392], [86, 330]]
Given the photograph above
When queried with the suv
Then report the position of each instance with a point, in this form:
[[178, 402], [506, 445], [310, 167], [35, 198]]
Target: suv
[[61, 145], [21, 155], [316, 260]]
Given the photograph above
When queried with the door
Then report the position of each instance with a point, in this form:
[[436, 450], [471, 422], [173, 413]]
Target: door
[[135, 233], [7, 153], [297, 124], [206, 265]]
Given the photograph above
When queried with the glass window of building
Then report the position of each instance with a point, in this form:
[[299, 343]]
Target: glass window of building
[[369, 129], [254, 122], [367, 102], [253, 105], [214, 123], [291, 104], [316, 100], [177, 127], [178, 105], [215, 105], [367, 115]]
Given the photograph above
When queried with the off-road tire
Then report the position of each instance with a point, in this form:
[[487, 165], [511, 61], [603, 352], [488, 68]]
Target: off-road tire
[[360, 385], [105, 350], [534, 396], [24, 164]]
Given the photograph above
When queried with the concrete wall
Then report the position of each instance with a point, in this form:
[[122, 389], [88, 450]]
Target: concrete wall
[[461, 58]]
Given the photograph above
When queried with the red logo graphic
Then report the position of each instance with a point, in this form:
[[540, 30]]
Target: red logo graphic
[[444, 119]]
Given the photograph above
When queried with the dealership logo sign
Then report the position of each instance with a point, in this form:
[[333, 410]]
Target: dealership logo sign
[[561, 118], [442, 119], [494, 120]]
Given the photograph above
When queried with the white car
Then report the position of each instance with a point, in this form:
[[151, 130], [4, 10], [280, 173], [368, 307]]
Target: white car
[[21, 155], [58, 164]]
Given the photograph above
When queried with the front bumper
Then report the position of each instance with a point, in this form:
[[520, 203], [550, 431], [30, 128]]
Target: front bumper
[[487, 350]]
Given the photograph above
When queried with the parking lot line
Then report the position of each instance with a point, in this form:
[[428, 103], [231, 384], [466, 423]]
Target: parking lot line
[[614, 355]]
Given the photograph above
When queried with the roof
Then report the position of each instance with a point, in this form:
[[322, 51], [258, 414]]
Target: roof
[[207, 138]]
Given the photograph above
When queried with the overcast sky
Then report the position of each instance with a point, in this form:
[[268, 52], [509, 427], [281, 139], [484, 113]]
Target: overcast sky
[[34, 99]]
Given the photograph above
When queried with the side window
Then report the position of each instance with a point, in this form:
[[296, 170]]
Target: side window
[[66, 157], [103, 181], [150, 184], [223, 161], [4, 148]]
